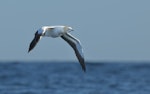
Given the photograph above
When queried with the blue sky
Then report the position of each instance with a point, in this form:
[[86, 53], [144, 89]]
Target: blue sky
[[108, 29]]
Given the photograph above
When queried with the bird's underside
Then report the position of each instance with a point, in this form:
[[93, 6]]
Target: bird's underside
[[72, 41]]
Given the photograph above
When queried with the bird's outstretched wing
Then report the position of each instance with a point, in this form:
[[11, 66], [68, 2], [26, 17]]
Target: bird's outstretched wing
[[76, 45], [34, 41]]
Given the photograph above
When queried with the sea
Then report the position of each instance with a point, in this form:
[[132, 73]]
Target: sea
[[68, 78]]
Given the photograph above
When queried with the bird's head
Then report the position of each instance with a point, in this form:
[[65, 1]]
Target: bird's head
[[68, 29]]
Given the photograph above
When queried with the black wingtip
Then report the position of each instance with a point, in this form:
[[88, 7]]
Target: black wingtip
[[82, 63], [30, 48], [28, 51], [84, 68]]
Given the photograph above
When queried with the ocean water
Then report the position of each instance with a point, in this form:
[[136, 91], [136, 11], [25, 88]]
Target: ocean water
[[68, 78]]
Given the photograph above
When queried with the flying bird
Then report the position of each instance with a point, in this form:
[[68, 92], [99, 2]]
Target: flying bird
[[64, 33]]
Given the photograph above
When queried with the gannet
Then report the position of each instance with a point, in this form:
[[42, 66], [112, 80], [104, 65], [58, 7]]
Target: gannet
[[64, 33]]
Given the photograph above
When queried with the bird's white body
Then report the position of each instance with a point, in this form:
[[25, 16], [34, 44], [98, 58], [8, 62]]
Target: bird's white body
[[63, 32], [54, 31]]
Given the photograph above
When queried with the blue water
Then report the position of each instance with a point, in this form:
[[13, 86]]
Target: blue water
[[68, 78]]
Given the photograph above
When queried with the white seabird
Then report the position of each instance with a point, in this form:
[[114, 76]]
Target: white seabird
[[63, 32]]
